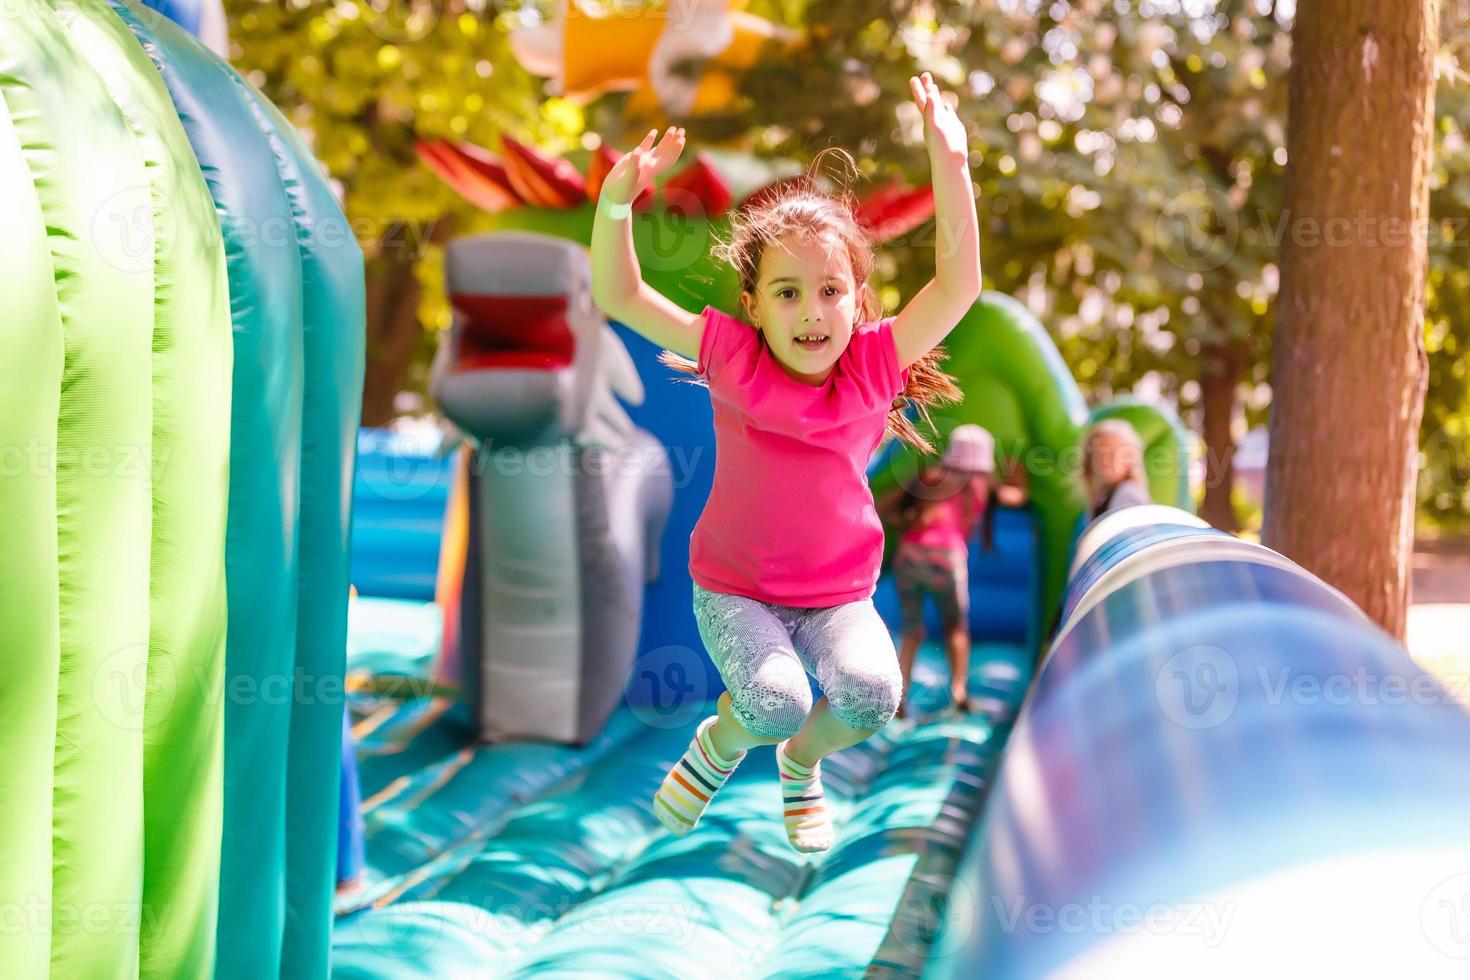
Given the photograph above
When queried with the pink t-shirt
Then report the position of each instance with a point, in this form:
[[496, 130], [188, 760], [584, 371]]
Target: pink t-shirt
[[790, 519], [947, 523]]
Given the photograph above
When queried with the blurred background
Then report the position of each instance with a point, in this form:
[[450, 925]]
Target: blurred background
[[1130, 163]]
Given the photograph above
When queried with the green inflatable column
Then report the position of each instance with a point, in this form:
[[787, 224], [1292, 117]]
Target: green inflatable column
[[183, 723], [89, 176], [30, 397], [265, 457]]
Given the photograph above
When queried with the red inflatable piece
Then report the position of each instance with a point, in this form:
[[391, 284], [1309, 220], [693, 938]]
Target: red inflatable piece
[[541, 180], [892, 210], [473, 172], [698, 191], [512, 332]]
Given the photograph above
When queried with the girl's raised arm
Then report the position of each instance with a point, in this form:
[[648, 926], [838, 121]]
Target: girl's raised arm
[[933, 312], [618, 288]]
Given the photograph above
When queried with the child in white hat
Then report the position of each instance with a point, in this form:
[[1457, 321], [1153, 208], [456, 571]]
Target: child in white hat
[[937, 512], [1112, 468]]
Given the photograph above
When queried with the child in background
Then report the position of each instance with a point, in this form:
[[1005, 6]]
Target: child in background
[[1112, 468], [937, 513], [785, 556]]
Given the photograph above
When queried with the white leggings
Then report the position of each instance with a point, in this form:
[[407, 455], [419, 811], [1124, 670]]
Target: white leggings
[[764, 652]]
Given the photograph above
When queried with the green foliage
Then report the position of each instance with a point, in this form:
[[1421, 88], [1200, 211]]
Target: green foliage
[[362, 79], [1444, 478], [1128, 155]]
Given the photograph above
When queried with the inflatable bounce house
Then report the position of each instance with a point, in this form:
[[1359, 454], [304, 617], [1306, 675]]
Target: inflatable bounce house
[[1152, 787], [1118, 767]]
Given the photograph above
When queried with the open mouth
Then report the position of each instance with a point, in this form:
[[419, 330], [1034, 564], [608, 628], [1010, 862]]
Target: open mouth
[[811, 341]]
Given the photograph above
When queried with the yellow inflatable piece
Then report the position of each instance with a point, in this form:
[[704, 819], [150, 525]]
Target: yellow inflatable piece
[[592, 48]]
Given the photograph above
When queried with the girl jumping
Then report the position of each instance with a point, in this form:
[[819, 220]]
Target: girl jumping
[[785, 556]]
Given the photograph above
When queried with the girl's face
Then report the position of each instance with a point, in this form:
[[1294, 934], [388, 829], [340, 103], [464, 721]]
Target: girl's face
[[805, 303], [1109, 460]]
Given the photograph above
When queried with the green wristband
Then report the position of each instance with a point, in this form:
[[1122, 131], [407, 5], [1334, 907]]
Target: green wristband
[[615, 210]]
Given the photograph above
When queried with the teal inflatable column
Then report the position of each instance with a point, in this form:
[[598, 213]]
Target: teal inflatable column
[[89, 176], [264, 266], [333, 321], [30, 400]]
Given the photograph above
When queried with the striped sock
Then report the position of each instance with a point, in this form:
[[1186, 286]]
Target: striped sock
[[693, 782], [808, 827]]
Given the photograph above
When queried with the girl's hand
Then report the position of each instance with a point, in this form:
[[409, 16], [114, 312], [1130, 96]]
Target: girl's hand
[[944, 134], [636, 169]]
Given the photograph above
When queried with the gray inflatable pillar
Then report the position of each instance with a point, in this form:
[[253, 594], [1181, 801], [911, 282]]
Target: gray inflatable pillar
[[568, 497]]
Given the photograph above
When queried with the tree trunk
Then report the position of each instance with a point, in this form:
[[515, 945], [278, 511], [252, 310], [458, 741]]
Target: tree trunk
[[1224, 364], [393, 328], [1349, 374]]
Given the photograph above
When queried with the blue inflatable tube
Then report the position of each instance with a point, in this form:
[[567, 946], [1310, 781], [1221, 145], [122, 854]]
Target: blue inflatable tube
[[1223, 764], [350, 856], [205, 19]]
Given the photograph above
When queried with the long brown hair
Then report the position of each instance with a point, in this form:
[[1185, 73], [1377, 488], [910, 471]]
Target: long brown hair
[[801, 207]]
